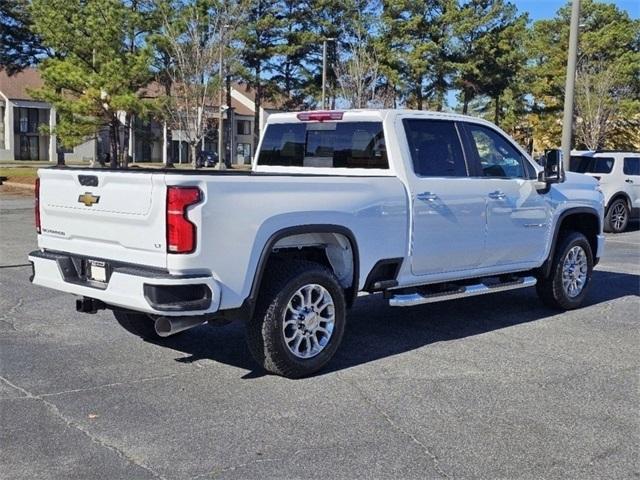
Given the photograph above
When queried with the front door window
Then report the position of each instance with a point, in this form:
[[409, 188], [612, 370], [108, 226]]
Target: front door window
[[498, 158]]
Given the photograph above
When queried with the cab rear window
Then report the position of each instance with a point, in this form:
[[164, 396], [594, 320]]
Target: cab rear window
[[581, 164], [324, 145]]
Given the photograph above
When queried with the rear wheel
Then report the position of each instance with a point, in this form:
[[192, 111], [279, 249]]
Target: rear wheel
[[299, 320], [139, 324], [617, 216], [567, 285]]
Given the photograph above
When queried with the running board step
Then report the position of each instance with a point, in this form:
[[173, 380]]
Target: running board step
[[410, 299]]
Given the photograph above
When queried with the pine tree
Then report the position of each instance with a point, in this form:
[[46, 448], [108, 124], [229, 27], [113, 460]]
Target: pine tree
[[100, 68], [419, 54], [291, 73], [505, 57], [476, 21], [20, 46], [259, 37]]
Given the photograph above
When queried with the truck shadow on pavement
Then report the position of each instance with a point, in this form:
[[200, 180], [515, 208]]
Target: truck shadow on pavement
[[376, 331]]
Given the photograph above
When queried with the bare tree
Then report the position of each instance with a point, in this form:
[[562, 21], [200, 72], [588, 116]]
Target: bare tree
[[598, 103], [196, 35], [358, 69]]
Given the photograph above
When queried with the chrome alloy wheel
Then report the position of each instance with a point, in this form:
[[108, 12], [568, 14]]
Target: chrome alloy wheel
[[574, 271], [308, 321], [618, 216]]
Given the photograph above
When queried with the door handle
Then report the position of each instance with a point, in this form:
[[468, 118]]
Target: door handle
[[497, 195], [628, 180], [427, 197]]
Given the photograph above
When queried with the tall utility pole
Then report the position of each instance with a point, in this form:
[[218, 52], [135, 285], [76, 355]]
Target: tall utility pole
[[230, 124], [324, 70], [221, 165], [567, 120]]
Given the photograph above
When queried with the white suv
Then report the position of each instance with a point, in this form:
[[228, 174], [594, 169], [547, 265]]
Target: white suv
[[619, 175]]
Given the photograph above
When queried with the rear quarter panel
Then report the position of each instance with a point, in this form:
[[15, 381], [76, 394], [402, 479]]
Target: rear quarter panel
[[240, 214]]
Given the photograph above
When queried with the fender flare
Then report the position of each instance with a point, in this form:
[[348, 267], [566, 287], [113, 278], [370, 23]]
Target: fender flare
[[615, 196], [352, 292], [545, 269]]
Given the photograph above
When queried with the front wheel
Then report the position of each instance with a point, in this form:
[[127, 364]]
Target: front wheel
[[617, 217], [567, 285], [299, 320]]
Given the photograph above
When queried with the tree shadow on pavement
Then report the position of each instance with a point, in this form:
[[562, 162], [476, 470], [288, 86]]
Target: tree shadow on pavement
[[375, 330]]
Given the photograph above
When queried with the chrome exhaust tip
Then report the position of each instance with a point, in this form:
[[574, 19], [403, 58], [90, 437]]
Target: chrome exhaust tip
[[167, 326]]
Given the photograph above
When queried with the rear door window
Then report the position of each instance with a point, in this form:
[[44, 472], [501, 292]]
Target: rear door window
[[583, 164], [631, 166], [435, 148], [324, 145]]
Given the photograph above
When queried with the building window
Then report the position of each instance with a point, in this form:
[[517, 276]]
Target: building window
[[29, 148], [27, 120], [243, 127], [243, 153], [23, 121]]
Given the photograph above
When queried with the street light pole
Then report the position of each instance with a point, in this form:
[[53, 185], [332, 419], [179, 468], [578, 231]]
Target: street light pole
[[567, 120], [221, 165], [324, 70]]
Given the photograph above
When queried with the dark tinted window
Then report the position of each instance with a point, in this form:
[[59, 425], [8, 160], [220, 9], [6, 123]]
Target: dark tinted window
[[324, 144], [498, 157], [632, 166], [581, 164], [435, 148], [530, 170]]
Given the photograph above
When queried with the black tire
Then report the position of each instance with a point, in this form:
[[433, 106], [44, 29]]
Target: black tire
[[265, 335], [617, 216], [550, 289], [139, 324]]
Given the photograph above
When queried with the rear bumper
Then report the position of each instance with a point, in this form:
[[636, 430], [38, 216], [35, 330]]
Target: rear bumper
[[130, 287]]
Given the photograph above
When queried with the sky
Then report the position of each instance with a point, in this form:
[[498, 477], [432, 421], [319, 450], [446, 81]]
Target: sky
[[539, 9]]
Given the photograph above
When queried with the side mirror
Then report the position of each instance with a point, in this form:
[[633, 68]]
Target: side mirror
[[553, 167]]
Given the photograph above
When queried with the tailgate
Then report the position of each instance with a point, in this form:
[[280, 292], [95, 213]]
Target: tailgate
[[115, 215]]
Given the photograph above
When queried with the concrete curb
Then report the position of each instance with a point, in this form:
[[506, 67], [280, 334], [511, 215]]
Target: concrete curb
[[26, 186]]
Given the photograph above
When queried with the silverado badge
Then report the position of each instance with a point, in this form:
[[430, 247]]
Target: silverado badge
[[88, 199]]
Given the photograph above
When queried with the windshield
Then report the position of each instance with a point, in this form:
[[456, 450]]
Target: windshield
[[324, 144]]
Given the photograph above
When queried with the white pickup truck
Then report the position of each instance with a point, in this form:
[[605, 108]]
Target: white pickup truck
[[418, 206]]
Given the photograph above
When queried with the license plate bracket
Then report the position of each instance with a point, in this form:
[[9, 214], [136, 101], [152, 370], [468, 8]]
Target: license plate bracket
[[97, 271]]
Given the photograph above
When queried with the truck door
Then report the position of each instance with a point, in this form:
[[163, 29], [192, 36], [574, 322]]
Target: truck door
[[518, 216], [448, 207]]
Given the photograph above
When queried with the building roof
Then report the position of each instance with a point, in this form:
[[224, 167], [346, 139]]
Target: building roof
[[15, 87], [155, 90], [250, 93]]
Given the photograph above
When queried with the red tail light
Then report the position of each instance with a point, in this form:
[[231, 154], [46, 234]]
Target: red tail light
[[319, 116], [181, 233], [37, 206]]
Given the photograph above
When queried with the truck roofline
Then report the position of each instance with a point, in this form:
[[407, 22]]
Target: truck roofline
[[377, 114]]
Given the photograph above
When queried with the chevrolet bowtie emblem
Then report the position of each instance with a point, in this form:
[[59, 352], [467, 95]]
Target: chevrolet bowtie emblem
[[88, 199]]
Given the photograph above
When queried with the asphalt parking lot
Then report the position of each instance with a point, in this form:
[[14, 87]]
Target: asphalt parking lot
[[487, 387]]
